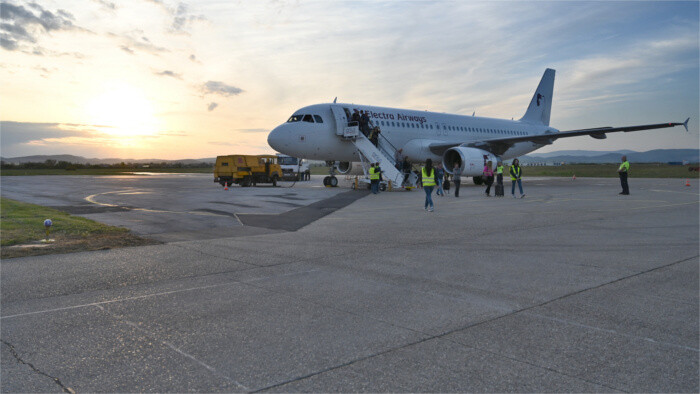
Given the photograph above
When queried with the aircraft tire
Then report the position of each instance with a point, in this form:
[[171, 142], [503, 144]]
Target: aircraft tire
[[325, 181], [478, 180], [333, 181]]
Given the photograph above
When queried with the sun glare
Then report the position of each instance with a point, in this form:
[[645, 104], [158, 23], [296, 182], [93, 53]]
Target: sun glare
[[124, 111]]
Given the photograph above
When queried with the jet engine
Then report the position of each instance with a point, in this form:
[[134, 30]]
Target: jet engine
[[343, 167], [470, 160], [349, 167]]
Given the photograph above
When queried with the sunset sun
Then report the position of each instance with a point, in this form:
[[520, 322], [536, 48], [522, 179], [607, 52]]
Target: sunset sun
[[123, 111]]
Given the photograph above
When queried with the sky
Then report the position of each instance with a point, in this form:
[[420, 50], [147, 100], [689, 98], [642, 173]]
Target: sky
[[173, 80]]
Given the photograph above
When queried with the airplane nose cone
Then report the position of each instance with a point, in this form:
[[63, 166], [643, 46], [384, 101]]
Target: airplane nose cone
[[276, 139]]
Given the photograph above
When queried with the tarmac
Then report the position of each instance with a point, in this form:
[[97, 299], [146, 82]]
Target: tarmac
[[573, 288]]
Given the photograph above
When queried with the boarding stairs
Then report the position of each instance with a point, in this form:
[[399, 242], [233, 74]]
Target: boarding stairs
[[383, 154]]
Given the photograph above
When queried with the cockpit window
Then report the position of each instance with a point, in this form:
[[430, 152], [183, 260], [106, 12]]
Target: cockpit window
[[295, 118], [308, 118], [318, 119]]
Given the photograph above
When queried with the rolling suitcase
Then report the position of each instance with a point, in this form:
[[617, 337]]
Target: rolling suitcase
[[499, 190]]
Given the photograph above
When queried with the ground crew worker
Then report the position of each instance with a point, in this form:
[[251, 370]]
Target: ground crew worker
[[374, 178], [499, 173], [515, 176], [428, 181], [624, 168]]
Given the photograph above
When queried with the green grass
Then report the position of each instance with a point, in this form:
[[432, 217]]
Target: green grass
[[104, 171], [641, 170], [23, 223]]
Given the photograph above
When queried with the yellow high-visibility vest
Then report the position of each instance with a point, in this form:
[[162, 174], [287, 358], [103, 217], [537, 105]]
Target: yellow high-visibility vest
[[499, 170], [373, 174], [428, 180], [514, 173], [625, 166]]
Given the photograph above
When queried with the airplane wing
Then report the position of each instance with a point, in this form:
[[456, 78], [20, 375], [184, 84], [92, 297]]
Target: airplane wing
[[499, 146]]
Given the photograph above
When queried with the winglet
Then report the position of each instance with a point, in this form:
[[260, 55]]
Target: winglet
[[335, 99], [685, 124]]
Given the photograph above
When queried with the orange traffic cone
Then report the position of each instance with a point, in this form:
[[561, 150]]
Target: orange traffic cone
[[225, 186], [687, 182]]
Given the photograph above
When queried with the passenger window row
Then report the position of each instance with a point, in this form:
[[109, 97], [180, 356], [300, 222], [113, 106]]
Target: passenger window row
[[305, 118], [453, 128]]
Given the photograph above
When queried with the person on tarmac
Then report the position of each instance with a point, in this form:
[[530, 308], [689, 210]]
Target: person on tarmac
[[456, 178], [516, 174], [499, 173], [488, 177], [439, 174], [429, 182], [406, 169], [623, 170], [374, 178]]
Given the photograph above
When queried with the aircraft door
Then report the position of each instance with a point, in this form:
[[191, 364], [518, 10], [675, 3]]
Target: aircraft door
[[341, 120]]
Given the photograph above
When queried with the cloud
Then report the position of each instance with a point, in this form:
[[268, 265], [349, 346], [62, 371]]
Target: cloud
[[216, 87], [211, 106], [135, 40], [25, 25], [106, 4], [182, 19], [18, 133], [168, 73]]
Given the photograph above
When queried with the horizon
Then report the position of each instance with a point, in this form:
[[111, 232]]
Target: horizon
[[603, 152], [159, 78]]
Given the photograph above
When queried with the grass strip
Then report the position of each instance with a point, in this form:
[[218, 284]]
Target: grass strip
[[22, 229]]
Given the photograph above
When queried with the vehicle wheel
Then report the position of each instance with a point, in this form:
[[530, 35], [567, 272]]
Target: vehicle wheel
[[274, 180], [333, 181], [382, 187], [478, 180]]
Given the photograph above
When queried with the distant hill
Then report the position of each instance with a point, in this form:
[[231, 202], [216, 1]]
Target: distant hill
[[652, 156], [83, 160], [566, 156], [587, 153]]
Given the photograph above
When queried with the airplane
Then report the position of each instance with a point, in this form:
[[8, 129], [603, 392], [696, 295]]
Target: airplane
[[319, 132]]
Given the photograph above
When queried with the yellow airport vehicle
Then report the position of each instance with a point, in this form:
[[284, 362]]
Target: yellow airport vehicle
[[247, 170]]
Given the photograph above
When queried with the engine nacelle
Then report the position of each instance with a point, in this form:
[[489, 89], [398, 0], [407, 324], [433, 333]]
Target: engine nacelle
[[470, 160], [349, 168]]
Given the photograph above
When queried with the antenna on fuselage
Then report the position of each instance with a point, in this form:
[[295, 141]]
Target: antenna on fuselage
[[334, 100]]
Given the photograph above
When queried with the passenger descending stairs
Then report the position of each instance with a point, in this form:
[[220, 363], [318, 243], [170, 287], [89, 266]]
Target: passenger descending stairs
[[384, 155]]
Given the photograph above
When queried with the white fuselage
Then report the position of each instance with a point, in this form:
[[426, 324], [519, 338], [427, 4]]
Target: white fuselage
[[411, 130]]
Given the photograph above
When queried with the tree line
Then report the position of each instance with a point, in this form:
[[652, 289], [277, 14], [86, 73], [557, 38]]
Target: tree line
[[66, 165]]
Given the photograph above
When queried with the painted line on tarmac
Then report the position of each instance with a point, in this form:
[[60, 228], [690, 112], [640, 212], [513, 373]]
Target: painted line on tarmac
[[174, 348], [162, 293], [91, 199], [581, 325], [671, 191]]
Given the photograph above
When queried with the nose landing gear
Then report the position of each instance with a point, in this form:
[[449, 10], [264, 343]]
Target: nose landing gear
[[331, 180]]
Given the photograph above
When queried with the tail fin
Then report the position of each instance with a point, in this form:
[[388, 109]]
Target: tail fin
[[541, 105]]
